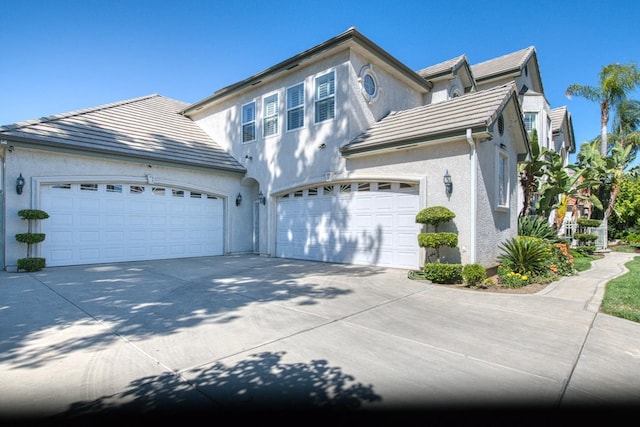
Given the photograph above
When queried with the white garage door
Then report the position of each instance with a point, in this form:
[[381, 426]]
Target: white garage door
[[370, 223], [97, 223]]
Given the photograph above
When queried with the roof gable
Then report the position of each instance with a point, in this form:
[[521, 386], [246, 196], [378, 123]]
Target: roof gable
[[458, 66], [148, 127], [509, 65], [561, 120]]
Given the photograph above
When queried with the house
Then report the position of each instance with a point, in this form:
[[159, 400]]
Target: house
[[327, 156]]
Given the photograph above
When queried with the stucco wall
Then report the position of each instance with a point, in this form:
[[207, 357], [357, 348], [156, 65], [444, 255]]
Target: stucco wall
[[47, 167]]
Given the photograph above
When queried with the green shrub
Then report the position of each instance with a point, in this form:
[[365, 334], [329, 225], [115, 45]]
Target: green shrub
[[473, 274], [585, 238], [586, 249], [30, 238], [524, 254], [32, 214], [31, 264], [436, 240], [443, 273], [632, 238], [587, 222], [435, 215], [536, 226]]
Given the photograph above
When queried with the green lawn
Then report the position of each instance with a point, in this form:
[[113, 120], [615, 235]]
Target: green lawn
[[622, 294]]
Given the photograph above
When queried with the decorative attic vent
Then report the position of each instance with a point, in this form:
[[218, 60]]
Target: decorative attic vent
[[501, 125]]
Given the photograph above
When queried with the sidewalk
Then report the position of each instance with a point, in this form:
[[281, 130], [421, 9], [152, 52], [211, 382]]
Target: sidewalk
[[607, 371]]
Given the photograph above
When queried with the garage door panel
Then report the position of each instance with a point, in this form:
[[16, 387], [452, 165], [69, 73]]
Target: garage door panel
[[114, 236], [114, 220], [407, 220], [105, 226], [88, 220], [89, 254], [60, 219], [136, 220]]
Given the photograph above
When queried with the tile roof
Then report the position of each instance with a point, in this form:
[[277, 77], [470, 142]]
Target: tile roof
[[148, 127], [503, 64], [445, 67], [557, 116], [476, 110]]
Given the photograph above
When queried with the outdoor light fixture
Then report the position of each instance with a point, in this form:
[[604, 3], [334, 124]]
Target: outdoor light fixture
[[238, 199], [262, 199], [19, 184], [448, 184]]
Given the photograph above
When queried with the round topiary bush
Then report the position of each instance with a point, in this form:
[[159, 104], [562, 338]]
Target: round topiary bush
[[434, 215], [30, 238], [31, 264], [588, 222], [436, 240], [32, 214], [443, 273]]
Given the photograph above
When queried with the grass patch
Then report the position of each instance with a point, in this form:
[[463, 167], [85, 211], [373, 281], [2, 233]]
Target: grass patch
[[622, 294], [623, 248], [581, 262]]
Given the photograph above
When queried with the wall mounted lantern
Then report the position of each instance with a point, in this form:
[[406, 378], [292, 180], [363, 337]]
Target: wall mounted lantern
[[238, 199], [448, 184], [19, 184], [262, 199]]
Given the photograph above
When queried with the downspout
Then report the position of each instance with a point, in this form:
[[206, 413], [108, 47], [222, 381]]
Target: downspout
[[474, 197]]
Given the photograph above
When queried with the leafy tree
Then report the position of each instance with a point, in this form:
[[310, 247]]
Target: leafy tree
[[605, 172], [561, 181], [615, 82], [626, 213]]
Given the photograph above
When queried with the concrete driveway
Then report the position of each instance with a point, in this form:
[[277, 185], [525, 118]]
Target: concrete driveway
[[254, 332]]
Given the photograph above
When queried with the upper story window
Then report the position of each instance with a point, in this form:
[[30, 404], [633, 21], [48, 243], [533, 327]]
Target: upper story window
[[368, 83], [325, 103], [530, 121], [295, 107], [249, 122], [503, 180], [270, 115]]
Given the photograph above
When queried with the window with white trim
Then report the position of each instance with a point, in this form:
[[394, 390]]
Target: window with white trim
[[249, 122], [530, 121], [503, 180], [324, 97], [270, 115], [295, 107]]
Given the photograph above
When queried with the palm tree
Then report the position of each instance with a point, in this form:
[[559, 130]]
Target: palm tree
[[626, 124], [615, 82]]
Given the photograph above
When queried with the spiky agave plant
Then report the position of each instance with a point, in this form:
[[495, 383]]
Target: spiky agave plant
[[525, 254], [536, 226]]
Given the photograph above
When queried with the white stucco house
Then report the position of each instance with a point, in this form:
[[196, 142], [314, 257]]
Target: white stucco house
[[327, 156]]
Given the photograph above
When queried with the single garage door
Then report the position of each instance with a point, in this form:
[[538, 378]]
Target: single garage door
[[97, 223], [370, 223]]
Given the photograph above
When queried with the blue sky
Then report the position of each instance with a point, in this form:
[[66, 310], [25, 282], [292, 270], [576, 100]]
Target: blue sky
[[59, 56]]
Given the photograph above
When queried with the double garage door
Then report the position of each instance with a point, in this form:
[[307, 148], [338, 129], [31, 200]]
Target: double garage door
[[370, 223], [97, 223]]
